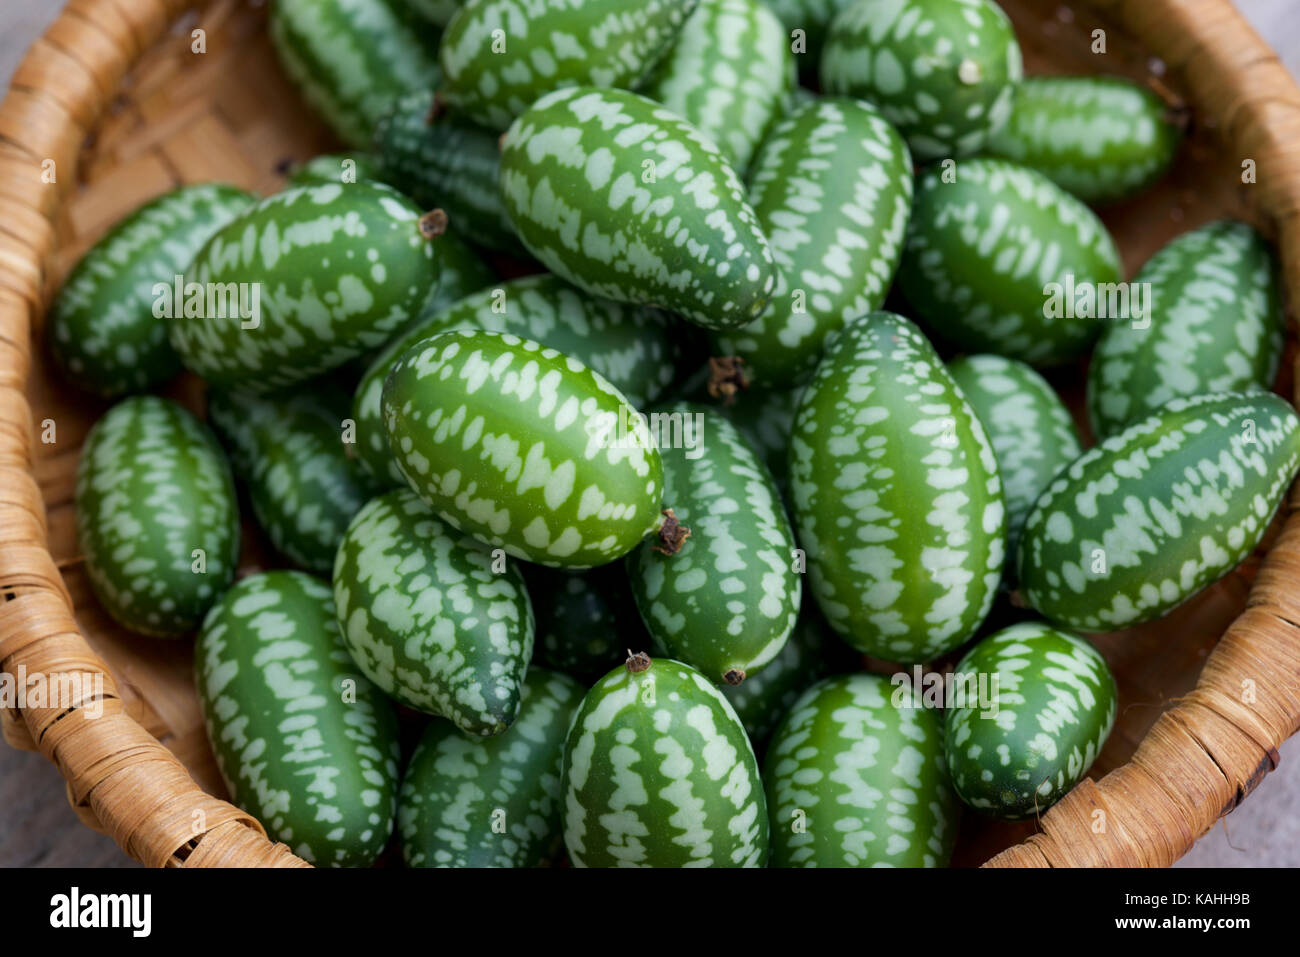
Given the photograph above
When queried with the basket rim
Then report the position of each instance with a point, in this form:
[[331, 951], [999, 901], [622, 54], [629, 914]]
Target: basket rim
[[1200, 759]]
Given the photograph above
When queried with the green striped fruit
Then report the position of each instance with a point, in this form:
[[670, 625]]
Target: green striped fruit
[[433, 617], [157, 519], [1213, 323], [343, 168], [1033, 434], [761, 700], [523, 447], [765, 417], [1102, 138], [1002, 259], [499, 56], [943, 71], [351, 59], [806, 23], [632, 347], [445, 161], [305, 743], [105, 332], [585, 620], [729, 74], [836, 230], [727, 601], [1046, 707], [324, 273], [490, 802], [658, 772], [855, 777], [626, 200], [1170, 504], [437, 12], [290, 453], [897, 499]]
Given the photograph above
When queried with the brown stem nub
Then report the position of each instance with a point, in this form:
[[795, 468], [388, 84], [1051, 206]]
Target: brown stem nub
[[433, 224], [1017, 599], [1177, 112], [637, 663], [436, 110], [672, 534], [726, 377], [734, 677]]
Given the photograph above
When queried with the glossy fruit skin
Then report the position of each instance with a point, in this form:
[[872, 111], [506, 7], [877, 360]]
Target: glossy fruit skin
[[658, 772], [855, 777], [626, 200], [523, 448], [1033, 434], [729, 75], [289, 451], [836, 230], [990, 258], [942, 71], [897, 499], [1215, 324], [1156, 512], [490, 802], [498, 56], [1016, 751], [336, 269], [727, 601], [351, 59], [447, 162], [1102, 138], [157, 518], [633, 347], [103, 332], [435, 618], [586, 620], [304, 742]]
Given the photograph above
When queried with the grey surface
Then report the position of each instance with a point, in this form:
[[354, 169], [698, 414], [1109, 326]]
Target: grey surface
[[37, 828]]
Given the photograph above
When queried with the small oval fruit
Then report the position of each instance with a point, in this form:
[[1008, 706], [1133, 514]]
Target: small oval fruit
[[942, 71], [658, 772], [1102, 138], [836, 230], [1037, 706], [728, 74], [104, 330], [1213, 322], [290, 452], [856, 778], [351, 59], [626, 200], [498, 57], [157, 519], [1005, 261], [490, 802], [524, 448], [304, 742], [1033, 434], [633, 347], [301, 283], [726, 602], [432, 616], [897, 499], [1173, 502]]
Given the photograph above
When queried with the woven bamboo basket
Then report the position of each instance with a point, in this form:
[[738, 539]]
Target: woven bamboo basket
[[115, 103]]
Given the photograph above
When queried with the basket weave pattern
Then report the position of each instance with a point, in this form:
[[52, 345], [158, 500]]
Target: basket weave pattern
[[125, 111]]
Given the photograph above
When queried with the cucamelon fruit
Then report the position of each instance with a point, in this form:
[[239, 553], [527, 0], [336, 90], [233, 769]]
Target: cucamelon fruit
[[433, 617], [490, 802], [1213, 323], [658, 772], [1157, 511], [897, 499], [626, 200], [105, 330], [304, 742], [1036, 705], [157, 519]]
